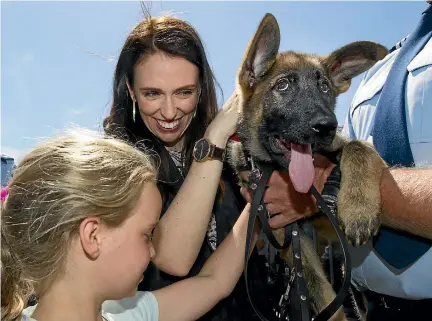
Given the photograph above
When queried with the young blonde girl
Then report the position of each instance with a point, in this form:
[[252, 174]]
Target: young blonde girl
[[76, 231]]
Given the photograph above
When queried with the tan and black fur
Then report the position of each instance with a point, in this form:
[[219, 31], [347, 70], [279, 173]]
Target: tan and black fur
[[292, 95]]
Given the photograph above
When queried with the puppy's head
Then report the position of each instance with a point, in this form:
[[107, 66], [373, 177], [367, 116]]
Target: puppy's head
[[287, 99]]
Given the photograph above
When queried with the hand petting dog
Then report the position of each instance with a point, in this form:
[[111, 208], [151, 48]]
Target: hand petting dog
[[283, 202]]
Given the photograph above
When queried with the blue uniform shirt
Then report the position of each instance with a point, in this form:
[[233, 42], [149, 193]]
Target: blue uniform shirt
[[369, 271]]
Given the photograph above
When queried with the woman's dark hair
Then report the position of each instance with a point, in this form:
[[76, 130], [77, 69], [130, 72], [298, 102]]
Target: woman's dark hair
[[174, 37]]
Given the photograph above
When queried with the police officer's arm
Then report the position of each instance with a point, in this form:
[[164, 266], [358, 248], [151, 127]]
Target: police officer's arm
[[406, 196]]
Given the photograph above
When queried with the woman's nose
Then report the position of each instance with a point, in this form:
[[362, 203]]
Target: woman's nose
[[168, 109]]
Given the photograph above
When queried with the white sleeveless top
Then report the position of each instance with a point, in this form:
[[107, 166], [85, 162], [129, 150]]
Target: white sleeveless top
[[141, 307]]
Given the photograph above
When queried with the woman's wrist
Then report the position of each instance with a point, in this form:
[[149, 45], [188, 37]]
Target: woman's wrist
[[216, 137]]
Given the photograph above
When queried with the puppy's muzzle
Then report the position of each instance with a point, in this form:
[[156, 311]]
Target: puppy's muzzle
[[324, 126]]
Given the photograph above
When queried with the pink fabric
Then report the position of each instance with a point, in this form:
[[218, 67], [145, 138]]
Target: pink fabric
[[4, 193]]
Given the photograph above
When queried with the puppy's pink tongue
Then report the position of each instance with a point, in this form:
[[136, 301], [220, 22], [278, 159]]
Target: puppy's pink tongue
[[301, 168]]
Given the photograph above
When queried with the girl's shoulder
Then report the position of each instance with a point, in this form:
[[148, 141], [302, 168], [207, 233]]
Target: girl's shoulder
[[143, 306]]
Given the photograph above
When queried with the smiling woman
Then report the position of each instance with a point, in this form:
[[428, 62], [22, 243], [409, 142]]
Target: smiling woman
[[163, 75], [164, 98], [166, 90]]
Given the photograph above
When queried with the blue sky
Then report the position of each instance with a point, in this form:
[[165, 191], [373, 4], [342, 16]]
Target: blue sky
[[58, 58]]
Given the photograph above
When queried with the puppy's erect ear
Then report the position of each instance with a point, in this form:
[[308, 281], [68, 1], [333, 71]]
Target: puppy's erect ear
[[261, 53], [351, 60]]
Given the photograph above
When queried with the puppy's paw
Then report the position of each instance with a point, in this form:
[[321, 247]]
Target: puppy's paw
[[358, 227], [359, 199], [359, 213]]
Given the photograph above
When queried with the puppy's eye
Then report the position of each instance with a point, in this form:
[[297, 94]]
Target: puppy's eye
[[282, 84], [324, 86]]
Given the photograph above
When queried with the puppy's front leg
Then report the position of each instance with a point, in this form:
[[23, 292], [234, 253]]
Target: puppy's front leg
[[359, 200]]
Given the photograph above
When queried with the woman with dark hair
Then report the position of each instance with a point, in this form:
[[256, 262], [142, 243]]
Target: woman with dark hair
[[164, 98]]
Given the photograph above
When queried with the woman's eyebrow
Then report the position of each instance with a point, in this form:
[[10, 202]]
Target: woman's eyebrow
[[190, 86], [149, 88]]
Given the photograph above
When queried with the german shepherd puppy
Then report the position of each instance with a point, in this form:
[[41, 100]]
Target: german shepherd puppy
[[286, 107]]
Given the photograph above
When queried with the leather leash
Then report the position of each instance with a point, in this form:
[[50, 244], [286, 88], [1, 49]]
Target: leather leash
[[258, 181]]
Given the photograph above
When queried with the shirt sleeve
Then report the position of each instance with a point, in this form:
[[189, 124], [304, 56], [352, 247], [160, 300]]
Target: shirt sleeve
[[141, 307], [347, 129], [149, 306], [26, 314]]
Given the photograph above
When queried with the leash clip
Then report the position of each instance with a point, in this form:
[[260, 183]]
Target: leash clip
[[284, 300], [285, 296]]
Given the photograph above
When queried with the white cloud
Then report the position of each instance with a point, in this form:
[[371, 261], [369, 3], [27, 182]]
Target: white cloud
[[78, 111]]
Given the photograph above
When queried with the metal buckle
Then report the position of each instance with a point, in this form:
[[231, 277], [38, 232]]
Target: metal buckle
[[254, 178], [384, 303], [285, 296], [284, 300]]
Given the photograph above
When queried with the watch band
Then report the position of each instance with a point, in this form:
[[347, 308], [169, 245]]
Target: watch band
[[217, 153]]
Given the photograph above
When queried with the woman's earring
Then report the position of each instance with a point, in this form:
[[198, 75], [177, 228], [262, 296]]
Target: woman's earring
[[133, 110]]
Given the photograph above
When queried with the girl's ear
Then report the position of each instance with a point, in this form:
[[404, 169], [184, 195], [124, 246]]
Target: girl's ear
[[90, 236]]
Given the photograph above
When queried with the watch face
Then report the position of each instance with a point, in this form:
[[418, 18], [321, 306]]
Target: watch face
[[202, 149]]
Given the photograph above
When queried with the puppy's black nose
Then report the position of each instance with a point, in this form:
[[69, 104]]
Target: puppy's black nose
[[323, 125]]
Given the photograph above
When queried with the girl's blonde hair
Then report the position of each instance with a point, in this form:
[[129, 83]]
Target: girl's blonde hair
[[55, 187]]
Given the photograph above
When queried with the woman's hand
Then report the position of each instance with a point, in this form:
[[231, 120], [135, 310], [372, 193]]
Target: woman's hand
[[283, 200], [225, 123]]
